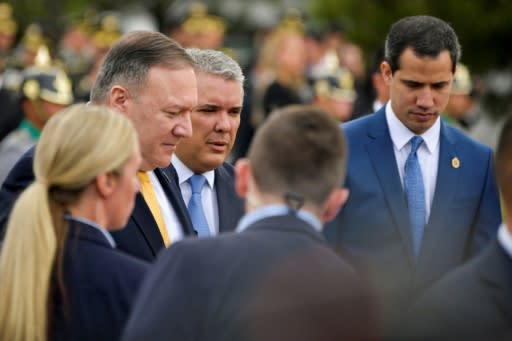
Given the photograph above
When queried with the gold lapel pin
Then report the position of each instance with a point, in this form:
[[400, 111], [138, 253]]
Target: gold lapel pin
[[455, 162]]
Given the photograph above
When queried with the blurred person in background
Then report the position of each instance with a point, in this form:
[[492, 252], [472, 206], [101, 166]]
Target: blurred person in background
[[193, 26], [462, 108], [45, 90], [289, 65], [336, 95]]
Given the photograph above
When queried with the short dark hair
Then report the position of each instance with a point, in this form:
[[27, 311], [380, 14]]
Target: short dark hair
[[503, 162], [299, 150], [128, 61], [427, 36]]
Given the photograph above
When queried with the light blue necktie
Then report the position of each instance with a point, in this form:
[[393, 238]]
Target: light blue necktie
[[415, 193], [195, 206]]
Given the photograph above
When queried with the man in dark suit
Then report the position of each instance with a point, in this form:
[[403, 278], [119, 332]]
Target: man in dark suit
[[414, 214], [474, 302], [149, 78], [215, 122], [276, 279]]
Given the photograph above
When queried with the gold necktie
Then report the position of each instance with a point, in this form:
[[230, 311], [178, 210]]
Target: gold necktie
[[148, 192]]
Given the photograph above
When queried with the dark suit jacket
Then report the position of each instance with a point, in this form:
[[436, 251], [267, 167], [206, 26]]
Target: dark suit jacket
[[473, 302], [140, 237], [374, 223], [101, 285], [231, 206], [277, 280]]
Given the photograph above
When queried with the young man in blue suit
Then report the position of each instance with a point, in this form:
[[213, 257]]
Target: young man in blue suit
[[215, 122], [150, 79], [276, 279], [474, 302], [414, 214]]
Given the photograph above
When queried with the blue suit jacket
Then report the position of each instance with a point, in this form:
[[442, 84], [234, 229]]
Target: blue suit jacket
[[278, 280], [472, 303], [101, 285], [374, 223]]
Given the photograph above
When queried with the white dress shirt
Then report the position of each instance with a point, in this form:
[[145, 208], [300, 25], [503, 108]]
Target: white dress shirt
[[428, 152], [208, 195]]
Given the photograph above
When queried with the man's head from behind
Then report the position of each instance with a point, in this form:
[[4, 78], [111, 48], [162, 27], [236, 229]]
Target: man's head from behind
[[216, 118], [298, 151], [150, 78]]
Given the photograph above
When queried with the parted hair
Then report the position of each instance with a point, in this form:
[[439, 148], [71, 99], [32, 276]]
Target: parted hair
[[76, 145], [299, 150], [217, 63], [128, 61], [503, 162], [427, 36]]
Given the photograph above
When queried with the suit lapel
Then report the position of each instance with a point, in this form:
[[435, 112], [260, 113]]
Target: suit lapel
[[145, 222], [229, 204], [447, 185], [381, 153], [169, 181]]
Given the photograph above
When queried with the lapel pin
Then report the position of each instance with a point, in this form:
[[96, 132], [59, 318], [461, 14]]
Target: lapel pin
[[455, 162]]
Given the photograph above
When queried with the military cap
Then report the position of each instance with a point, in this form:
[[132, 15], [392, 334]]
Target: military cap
[[339, 85], [199, 20], [462, 84], [46, 82]]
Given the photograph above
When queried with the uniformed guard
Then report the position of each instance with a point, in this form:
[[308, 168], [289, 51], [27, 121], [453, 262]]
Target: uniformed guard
[[45, 90]]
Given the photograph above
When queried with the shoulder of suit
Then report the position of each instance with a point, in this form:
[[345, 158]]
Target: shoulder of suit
[[460, 138]]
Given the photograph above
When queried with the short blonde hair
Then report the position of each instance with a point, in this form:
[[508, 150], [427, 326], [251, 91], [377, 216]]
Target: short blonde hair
[[75, 146]]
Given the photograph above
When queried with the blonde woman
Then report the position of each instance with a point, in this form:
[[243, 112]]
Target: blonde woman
[[60, 275]]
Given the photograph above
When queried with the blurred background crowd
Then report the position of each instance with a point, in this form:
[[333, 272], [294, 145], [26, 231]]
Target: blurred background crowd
[[325, 52]]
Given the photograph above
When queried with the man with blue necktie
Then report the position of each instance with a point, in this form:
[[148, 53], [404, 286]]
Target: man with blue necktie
[[423, 197], [276, 279], [206, 181]]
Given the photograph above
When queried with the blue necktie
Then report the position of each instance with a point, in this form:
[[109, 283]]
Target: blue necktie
[[195, 206], [415, 193]]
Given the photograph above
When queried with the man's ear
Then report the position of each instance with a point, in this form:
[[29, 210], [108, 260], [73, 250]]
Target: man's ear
[[336, 199], [242, 178], [118, 98], [105, 183], [385, 70]]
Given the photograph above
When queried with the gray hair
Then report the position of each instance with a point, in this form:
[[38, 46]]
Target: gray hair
[[130, 58], [217, 63]]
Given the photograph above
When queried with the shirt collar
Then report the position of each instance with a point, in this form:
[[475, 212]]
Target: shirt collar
[[30, 129], [184, 173], [103, 231], [401, 135], [273, 211]]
